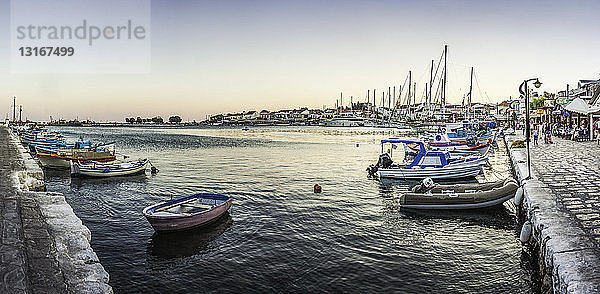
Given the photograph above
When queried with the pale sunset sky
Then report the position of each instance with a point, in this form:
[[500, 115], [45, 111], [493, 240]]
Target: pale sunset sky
[[227, 56]]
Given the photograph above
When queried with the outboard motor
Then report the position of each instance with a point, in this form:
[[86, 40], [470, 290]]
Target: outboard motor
[[425, 185], [385, 161], [372, 169]]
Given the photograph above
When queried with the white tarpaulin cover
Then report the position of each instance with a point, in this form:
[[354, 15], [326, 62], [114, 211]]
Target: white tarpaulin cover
[[580, 106]]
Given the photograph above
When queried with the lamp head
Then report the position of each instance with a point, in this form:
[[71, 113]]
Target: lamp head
[[537, 83]]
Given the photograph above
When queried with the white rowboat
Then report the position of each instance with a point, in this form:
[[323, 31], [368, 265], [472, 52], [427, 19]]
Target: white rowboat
[[94, 169]]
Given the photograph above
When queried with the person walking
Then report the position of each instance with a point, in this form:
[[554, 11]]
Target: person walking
[[597, 131], [548, 137], [535, 136]]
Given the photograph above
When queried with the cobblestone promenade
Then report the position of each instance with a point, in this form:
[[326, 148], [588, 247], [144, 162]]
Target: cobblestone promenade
[[27, 262], [572, 171]]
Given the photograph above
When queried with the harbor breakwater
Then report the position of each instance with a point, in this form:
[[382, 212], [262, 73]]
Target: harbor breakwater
[[568, 256], [45, 246]]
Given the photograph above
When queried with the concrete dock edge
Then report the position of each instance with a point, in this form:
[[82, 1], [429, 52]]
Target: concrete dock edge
[[568, 258], [78, 263]]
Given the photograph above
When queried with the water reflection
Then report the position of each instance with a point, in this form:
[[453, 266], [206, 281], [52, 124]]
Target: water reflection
[[51, 173], [497, 217], [78, 182], [285, 237], [189, 242]]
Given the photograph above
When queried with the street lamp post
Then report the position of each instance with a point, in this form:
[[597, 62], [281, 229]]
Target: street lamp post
[[523, 90]]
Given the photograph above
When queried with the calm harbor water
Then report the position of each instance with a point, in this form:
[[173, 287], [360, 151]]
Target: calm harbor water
[[279, 235]]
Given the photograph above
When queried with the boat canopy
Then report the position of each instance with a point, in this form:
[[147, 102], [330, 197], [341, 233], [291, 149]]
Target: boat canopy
[[405, 141]]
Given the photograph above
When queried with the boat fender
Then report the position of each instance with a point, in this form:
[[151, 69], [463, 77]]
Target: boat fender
[[525, 232], [317, 188], [519, 197]]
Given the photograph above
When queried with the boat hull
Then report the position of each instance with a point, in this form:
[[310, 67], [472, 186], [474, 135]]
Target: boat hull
[[64, 162], [453, 171], [53, 162], [78, 170], [462, 196], [490, 203], [343, 123], [184, 223]]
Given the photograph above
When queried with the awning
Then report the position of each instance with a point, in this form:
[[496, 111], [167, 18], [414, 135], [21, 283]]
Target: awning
[[580, 106]]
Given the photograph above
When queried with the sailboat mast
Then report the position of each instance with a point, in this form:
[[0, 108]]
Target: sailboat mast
[[409, 83], [425, 105], [394, 102], [389, 97], [14, 108], [368, 97], [445, 79], [430, 86], [382, 103], [374, 104], [415, 95], [470, 92]]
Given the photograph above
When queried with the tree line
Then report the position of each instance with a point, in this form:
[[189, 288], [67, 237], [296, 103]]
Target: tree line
[[156, 120]]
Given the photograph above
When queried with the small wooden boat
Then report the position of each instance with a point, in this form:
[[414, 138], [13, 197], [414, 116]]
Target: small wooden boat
[[459, 196], [96, 169], [187, 212], [61, 158]]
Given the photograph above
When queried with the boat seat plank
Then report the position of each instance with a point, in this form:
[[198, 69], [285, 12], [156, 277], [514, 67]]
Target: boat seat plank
[[195, 206], [174, 205]]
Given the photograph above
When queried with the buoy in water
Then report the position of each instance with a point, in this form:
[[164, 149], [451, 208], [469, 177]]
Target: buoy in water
[[153, 170], [519, 196], [317, 188], [525, 232]]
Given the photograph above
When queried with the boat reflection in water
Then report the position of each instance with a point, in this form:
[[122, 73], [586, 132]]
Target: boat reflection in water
[[189, 242]]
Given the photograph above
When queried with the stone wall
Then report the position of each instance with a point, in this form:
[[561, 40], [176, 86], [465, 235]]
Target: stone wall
[[568, 258], [57, 243]]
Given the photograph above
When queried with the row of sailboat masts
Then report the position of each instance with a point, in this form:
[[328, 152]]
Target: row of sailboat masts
[[406, 108], [396, 107]]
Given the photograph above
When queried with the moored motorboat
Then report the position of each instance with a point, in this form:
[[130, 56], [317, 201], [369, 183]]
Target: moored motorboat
[[187, 212], [95, 169], [437, 164], [459, 196]]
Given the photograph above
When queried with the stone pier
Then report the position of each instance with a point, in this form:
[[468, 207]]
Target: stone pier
[[44, 247], [562, 200]]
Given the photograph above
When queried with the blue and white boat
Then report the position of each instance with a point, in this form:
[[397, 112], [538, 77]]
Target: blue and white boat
[[60, 144], [96, 169], [435, 164]]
